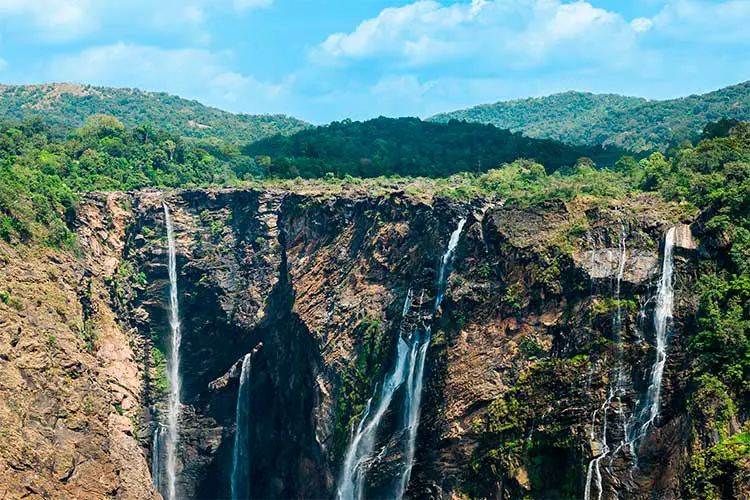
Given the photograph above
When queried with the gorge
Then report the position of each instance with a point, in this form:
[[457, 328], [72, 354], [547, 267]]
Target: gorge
[[315, 342]]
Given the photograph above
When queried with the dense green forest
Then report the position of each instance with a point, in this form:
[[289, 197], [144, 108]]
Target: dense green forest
[[576, 118], [410, 146], [627, 122], [44, 168], [72, 104]]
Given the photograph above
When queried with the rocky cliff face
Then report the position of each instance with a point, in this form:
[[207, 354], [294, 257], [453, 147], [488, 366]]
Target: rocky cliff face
[[534, 333], [70, 377]]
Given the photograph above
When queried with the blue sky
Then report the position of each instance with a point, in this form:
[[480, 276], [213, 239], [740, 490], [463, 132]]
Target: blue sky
[[325, 60]]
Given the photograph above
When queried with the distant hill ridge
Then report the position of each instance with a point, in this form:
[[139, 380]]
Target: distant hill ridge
[[70, 104], [629, 122], [577, 118]]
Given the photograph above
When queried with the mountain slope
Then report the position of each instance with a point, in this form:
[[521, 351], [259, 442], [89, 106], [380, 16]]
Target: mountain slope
[[70, 104], [559, 116], [629, 122]]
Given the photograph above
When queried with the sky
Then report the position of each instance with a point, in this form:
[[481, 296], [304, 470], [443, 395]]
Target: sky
[[324, 60]]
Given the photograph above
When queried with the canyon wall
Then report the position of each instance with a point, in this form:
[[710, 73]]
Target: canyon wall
[[535, 333]]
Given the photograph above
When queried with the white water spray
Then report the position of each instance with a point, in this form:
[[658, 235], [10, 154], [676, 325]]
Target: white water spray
[[614, 391], [173, 371], [594, 464], [409, 369], [157, 441], [420, 344], [240, 457], [358, 455], [662, 319]]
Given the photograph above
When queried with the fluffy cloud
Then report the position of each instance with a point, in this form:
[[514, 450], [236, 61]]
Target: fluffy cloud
[[506, 32], [192, 73], [704, 22], [57, 19], [641, 24], [417, 32], [68, 19]]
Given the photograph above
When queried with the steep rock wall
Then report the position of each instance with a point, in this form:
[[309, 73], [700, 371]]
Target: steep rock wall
[[70, 383], [528, 343]]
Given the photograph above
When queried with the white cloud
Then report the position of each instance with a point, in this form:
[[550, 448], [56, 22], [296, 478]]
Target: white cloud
[[70, 19], [507, 32], [57, 19], [408, 32], [3, 64], [193, 73], [641, 24], [576, 31], [705, 22]]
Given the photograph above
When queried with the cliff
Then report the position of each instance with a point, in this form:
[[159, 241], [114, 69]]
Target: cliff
[[71, 383], [535, 336]]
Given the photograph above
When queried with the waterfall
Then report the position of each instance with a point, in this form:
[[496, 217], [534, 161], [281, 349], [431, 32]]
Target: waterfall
[[156, 457], [240, 457], [594, 464], [408, 371], [616, 391], [662, 319], [620, 386], [415, 381], [173, 368], [358, 459]]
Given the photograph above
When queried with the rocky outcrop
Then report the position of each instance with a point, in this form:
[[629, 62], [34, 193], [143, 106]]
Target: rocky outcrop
[[320, 280], [532, 335], [71, 387], [234, 372]]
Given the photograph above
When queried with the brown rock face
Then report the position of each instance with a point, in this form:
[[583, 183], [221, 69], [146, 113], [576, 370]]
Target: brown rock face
[[69, 378], [531, 338]]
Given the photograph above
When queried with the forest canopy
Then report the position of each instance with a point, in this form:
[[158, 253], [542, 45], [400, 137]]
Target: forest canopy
[[410, 146]]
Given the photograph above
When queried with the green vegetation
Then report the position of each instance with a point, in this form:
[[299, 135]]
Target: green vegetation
[[506, 446], [9, 300], [358, 379], [159, 382], [71, 105], [721, 471], [627, 122], [711, 177], [44, 168], [410, 146]]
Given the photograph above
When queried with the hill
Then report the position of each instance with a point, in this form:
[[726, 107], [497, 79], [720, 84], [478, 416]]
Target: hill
[[70, 104], [410, 146], [628, 122]]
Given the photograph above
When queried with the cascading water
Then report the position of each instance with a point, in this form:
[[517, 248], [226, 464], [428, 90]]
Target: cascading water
[[358, 455], [409, 369], [173, 368], [662, 319], [621, 388], [240, 457], [594, 466], [157, 442], [420, 344]]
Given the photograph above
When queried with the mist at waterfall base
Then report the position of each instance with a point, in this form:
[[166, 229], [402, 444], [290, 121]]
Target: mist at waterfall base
[[408, 371]]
